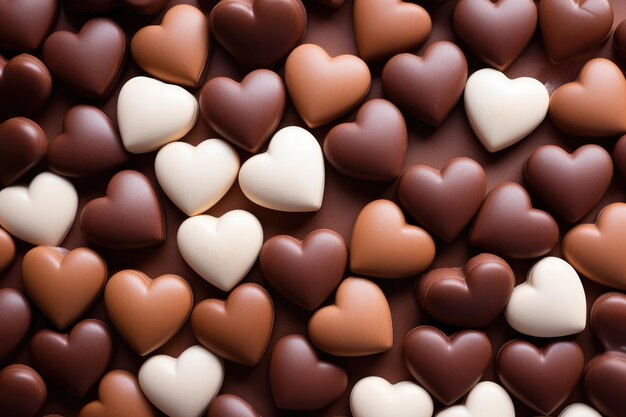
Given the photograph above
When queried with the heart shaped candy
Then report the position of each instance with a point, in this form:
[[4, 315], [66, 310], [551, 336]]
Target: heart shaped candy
[[607, 315], [229, 405], [25, 24], [487, 399], [16, 320], [25, 85], [607, 398], [579, 410], [23, 145], [22, 391], [374, 396]]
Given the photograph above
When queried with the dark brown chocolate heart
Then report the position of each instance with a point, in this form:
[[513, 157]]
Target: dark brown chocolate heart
[[540, 378], [607, 318], [22, 391], [228, 405], [445, 201], [90, 144], [373, 147], [24, 24], [15, 320], [605, 383], [22, 145], [25, 85]]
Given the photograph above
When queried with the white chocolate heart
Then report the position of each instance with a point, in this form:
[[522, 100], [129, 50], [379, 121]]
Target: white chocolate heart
[[375, 397], [503, 111], [551, 303], [42, 213], [183, 386], [196, 177], [151, 113], [579, 410], [221, 250], [289, 176], [486, 399]]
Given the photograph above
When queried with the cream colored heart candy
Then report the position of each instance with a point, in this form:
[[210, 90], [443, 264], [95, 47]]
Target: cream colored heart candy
[[42, 213], [151, 113], [221, 250], [578, 410], [196, 177], [376, 397], [486, 399]]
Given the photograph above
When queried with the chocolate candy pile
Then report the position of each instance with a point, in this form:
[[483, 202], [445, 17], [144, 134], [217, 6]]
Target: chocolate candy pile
[[373, 208]]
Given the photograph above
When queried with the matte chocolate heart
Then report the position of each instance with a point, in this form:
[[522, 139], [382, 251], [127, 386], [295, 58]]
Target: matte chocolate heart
[[24, 24], [22, 391], [89, 62], [90, 144], [25, 85], [508, 225], [177, 50], [428, 86], [448, 367], [147, 312], [228, 405], [570, 27], [496, 30], [7, 250], [471, 296], [15, 319], [23, 144], [61, 283], [306, 271], [540, 378], [445, 201], [373, 147], [129, 216], [299, 380], [74, 361], [605, 383], [259, 100], [607, 318], [619, 38], [259, 33]]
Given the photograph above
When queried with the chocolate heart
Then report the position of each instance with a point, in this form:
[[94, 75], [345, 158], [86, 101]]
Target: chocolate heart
[[24, 24], [22, 391], [508, 225], [373, 147], [74, 361], [15, 320], [147, 312], [448, 367], [605, 383], [299, 380], [607, 318], [540, 378], [496, 30], [259, 100], [7, 250], [25, 84], [445, 201], [259, 33], [62, 283], [129, 216], [384, 246], [427, 86], [239, 328], [569, 28], [90, 144], [89, 62], [177, 50], [619, 38], [228, 405], [307, 271], [386, 27], [22, 145], [471, 296]]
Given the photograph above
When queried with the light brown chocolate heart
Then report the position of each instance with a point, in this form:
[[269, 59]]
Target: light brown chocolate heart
[[147, 312], [62, 283], [7, 250]]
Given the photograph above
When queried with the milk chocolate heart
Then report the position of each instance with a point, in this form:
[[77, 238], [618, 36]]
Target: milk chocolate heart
[[607, 317], [471, 296], [7, 250], [147, 312], [299, 380], [90, 144], [358, 324], [259, 33], [384, 246], [259, 100], [508, 225], [570, 27], [23, 144], [177, 50], [593, 105], [570, 184], [89, 62], [25, 24], [15, 319], [540, 378], [496, 30], [239, 328], [428, 86], [605, 383], [61, 283], [386, 27], [22, 391], [323, 88], [129, 216], [443, 201], [228, 405], [373, 147], [25, 85], [307, 271], [74, 361], [448, 367]]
